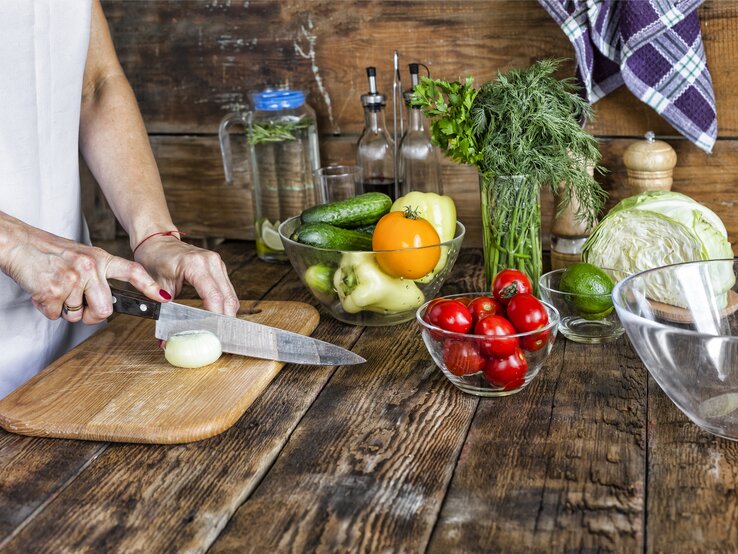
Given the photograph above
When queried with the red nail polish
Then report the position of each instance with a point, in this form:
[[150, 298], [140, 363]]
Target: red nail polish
[[165, 295]]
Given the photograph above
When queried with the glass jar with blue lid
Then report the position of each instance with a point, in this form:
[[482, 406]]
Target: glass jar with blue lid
[[282, 140]]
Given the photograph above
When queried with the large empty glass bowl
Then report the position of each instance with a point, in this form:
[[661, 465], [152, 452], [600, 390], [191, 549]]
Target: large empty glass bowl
[[683, 324]]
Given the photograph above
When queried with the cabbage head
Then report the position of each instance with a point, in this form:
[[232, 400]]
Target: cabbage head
[[654, 229]]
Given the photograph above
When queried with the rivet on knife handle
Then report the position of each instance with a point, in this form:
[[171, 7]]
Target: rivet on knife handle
[[134, 303]]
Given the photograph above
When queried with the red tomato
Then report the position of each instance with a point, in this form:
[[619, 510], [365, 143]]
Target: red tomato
[[509, 282], [482, 306], [462, 357], [496, 326], [450, 315], [465, 300], [536, 341], [428, 308], [526, 313], [508, 373]]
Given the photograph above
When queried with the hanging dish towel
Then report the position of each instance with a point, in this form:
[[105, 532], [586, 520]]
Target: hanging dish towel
[[654, 47]]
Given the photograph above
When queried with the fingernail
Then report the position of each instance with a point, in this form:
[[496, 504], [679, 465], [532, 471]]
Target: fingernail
[[165, 295]]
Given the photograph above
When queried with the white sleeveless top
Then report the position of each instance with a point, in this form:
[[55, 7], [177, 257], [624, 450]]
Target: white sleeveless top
[[43, 48]]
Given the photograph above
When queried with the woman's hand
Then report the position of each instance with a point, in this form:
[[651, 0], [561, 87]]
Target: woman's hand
[[172, 263], [60, 274]]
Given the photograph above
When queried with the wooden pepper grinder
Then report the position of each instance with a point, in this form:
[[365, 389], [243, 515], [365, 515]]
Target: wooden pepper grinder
[[568, 235], [650, 164]]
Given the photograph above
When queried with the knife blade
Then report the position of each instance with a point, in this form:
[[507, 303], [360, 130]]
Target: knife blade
[[237, 336]]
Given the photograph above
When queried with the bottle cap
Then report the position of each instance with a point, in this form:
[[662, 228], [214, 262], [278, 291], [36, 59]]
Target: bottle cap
[[274, 100]]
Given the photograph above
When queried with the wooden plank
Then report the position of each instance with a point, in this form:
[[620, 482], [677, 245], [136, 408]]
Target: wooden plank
[[203, 206], [558, 467], [35, 471], [192, 62], [692, 482], [186, 493], [373, 454]]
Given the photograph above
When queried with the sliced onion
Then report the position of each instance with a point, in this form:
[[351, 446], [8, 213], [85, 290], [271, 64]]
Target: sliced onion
[[192, 349]]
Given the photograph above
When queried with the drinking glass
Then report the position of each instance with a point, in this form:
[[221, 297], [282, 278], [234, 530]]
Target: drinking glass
[[337, 182]]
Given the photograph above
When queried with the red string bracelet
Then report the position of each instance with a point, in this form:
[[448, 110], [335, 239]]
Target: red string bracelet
[[160, 234]]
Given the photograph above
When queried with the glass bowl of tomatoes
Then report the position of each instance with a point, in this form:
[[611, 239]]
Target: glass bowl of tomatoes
[[371, 287], [485, 347]]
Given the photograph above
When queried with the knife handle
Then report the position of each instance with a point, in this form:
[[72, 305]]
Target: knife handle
[[134, 303]]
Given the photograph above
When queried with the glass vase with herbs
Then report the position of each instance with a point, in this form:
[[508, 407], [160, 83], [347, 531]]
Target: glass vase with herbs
[[522, 131], [283, 146]]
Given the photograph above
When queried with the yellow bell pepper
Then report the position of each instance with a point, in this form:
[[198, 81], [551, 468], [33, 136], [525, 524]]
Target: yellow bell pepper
[[440, 211], [362, 285]]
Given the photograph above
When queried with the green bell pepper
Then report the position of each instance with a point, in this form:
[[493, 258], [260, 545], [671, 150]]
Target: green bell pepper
[[319, 279], [362, 285]]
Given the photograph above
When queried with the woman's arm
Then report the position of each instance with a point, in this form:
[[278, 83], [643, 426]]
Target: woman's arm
[[115, 145]]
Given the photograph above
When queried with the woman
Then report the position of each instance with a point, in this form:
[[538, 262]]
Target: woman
[[62, 92]]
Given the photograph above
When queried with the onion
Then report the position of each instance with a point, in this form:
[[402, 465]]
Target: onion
[[192, 349]]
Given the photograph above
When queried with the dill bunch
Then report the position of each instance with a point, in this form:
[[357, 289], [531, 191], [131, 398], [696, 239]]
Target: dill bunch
[[525, 122]]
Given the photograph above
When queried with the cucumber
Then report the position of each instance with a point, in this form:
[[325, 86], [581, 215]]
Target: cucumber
[[368, 229], [323, 235], [364, 209]]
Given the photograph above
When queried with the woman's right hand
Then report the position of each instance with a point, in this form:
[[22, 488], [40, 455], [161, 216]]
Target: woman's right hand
[[59, 273]]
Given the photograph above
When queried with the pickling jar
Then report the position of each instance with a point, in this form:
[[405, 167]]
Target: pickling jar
[[282, 142]]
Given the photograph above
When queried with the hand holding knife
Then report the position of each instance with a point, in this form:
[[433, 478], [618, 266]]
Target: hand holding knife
[[237, 336]]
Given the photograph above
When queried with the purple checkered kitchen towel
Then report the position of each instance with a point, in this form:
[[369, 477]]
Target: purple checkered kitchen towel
[[654, 47]]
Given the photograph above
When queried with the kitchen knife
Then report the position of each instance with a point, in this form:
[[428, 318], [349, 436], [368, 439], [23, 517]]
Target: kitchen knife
[[237, 336]]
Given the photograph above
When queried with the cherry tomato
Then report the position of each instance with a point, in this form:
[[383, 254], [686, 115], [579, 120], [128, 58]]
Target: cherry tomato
[[465, 300], [526, 313], [450, 315], [536, 341], [462, 357], [404, 230], [496, 326], [509, 282], [508, 373], [437, 335], [482, 306]]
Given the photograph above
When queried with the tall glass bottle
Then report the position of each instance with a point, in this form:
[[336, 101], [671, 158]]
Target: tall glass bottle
[[375, 150], [419, 163]]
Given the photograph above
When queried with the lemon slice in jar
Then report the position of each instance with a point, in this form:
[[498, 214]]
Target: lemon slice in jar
[[270, 236]]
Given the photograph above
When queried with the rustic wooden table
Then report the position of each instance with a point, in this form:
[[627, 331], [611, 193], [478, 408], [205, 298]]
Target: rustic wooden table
[[389, 457]]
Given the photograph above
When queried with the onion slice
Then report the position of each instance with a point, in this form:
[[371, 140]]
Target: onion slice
[[190, 349]]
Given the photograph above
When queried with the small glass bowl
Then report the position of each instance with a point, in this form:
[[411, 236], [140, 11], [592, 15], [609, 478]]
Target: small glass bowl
[[577, 323], [456, 354]]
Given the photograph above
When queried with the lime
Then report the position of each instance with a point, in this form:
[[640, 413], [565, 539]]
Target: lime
[[591, 290], [270, 236]]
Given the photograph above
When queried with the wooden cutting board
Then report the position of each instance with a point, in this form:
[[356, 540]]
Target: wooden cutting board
[[117, 386]]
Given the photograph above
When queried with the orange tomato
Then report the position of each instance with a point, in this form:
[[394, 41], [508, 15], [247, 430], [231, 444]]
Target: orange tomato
[[404, 230]]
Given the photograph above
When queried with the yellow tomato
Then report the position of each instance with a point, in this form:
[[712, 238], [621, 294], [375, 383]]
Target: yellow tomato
[[414, 240]]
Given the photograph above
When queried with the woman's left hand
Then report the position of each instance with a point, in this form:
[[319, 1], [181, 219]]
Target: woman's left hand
[[172, 263]]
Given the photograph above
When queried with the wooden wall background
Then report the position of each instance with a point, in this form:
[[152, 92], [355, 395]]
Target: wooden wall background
[[192, 61]]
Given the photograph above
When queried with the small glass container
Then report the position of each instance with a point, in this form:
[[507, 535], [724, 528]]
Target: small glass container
[[375, 149], [283, 154], [419, 164]]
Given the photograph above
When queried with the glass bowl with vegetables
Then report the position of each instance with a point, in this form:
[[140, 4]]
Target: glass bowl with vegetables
[[582, 293], [369, 261], [682, 320], [486, 348]]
